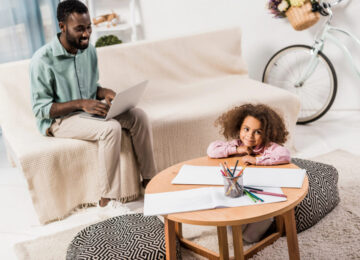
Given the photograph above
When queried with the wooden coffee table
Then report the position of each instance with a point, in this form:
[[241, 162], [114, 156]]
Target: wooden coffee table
[[235, 217]]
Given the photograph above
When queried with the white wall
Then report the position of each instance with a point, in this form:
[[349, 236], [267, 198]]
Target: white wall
[[262, 34]]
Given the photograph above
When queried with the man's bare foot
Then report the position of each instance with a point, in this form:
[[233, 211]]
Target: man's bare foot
[[103, 202]]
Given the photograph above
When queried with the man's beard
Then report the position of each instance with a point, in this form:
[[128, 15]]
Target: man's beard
[[75, 43]]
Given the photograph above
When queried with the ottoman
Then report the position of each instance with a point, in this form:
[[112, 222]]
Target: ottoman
[[323, 194], [124, 237]]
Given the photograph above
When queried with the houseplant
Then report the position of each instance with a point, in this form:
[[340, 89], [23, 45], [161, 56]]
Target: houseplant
[[107, 40]]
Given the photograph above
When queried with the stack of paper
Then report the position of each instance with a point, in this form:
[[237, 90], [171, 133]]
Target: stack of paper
[[266, 177]]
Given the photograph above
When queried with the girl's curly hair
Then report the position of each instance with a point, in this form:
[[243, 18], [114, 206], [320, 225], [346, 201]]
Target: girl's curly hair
[[272, 124]]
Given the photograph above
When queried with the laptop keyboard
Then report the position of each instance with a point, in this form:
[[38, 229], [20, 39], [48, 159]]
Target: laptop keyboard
[[98, 116]]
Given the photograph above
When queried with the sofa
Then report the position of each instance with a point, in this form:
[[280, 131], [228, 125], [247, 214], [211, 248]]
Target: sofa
[[192, 80]]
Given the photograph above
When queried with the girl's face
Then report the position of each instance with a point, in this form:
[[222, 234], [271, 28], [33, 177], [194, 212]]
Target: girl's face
[[251, 132]]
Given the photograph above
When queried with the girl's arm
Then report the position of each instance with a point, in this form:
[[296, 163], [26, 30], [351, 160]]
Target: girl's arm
[[221, 149], [274, 154]]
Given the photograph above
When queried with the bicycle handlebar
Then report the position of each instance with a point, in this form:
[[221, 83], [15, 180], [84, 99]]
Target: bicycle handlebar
[[327, 5], [334, 3], [324, 8]]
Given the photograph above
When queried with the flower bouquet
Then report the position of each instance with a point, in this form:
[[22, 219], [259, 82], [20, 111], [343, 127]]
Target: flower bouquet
[[298, 12]]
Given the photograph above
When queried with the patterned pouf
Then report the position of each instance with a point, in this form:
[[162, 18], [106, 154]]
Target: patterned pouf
[[323, 194], [124, 237]]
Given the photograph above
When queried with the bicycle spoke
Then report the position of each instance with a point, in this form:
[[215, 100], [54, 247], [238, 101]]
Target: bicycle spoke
[[286, 69], [289, 68]]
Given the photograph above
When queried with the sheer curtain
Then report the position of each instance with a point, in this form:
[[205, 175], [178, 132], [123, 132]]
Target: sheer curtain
[[25, 25]]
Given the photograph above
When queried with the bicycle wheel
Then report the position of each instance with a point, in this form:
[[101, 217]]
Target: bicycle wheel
[[318, 92]]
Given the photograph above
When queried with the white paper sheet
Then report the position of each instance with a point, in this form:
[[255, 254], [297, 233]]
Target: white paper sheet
[[202, 175], [266, 177], [200, 199]]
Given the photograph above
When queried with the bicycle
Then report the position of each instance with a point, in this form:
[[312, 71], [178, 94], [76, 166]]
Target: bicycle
[[307, 72]]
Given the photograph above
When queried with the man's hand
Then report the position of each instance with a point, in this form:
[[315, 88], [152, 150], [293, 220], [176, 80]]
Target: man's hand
[[105, 93], [248, 159], [243, 150], [96, 107], [109, 96]]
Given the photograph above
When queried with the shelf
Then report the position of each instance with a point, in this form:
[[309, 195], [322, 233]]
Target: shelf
[[118, 27], [131, 27]]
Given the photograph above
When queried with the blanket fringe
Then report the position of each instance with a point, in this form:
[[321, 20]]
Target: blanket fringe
[[129, 198], [84, 206]]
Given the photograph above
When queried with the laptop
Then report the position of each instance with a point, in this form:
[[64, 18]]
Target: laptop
[[122, 102]]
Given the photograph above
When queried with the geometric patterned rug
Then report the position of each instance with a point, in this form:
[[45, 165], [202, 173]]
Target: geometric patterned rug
[[123, 237]]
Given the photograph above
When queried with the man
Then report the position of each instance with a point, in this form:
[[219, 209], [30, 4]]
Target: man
[[64, 80]]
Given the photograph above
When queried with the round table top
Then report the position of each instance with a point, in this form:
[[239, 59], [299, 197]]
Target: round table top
[[224, 216]]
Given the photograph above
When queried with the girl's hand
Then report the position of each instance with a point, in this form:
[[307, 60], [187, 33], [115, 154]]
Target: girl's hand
[[243, 150], [248, 159]]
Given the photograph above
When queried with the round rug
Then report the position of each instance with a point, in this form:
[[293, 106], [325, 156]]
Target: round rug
[[123, 237]]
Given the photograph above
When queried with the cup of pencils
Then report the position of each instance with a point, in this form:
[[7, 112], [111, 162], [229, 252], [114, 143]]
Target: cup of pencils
[[234, 185]]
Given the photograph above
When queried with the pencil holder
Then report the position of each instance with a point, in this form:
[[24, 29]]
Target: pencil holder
[[233, 186]]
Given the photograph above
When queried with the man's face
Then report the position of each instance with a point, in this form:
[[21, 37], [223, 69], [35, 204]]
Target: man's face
[[77, 30]]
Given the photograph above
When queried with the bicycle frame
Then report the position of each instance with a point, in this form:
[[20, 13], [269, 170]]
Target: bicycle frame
[[327, 34]]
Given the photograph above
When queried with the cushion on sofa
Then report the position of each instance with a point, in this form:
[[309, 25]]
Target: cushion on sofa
[[124, 237], [323, 194]]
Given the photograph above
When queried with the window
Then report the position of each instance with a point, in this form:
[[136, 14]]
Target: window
[[25, 25]]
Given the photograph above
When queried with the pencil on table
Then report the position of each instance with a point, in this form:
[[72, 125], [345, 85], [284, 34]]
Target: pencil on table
[[252, 188], [248, 194], [256, 197], [268, 193]]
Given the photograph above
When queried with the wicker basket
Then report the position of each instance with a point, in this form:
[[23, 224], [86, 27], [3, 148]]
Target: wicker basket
[[302, 17]]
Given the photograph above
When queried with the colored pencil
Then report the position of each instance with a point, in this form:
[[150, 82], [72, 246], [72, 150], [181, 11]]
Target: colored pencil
[[251, 188], [256, 197], [251, 197], [241, 172], [237, 161], [268, 193], [225, 171], [227, 167]]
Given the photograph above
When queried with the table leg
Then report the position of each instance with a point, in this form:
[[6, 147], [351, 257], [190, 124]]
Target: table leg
[[291, 235], [223, 243], [238, 242], [170, 239], [280, 225], [178, 230]]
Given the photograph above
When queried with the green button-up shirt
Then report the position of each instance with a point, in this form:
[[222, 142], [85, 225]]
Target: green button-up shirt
[[58, 76]]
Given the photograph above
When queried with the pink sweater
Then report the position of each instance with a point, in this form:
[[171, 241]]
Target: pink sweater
[[270, 155]]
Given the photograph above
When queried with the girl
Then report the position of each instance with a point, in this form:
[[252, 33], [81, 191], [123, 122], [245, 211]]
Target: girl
[[258, 133]]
